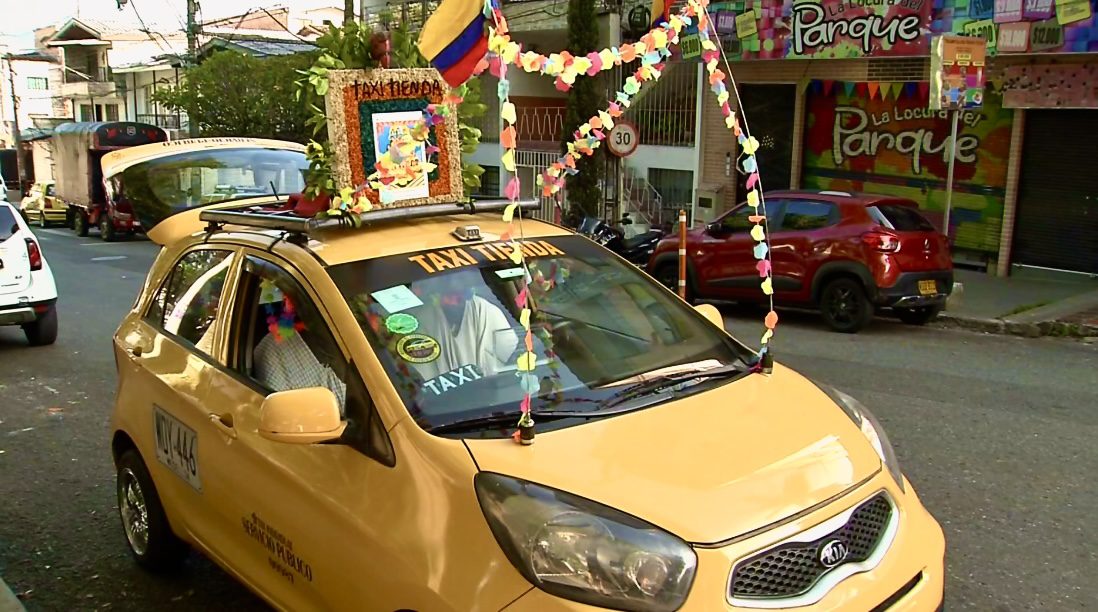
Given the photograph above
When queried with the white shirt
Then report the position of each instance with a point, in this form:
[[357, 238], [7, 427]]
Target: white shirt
[[484, 338]]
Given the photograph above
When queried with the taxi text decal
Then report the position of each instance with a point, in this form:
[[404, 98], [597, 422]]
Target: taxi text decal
[[448, 259], [453, 379], [282, 557]]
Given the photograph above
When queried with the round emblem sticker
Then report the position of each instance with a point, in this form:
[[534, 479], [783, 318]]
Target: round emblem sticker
[[418, 348], [401, 323]]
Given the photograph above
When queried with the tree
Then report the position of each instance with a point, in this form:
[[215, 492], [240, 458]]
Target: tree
[[233, 94], [584, 190], [348, 11]]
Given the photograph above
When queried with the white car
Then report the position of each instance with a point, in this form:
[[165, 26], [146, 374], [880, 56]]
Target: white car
[[28, 295]]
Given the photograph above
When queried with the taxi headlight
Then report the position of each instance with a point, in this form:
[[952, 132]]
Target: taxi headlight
[[579, 550], [872, 429]]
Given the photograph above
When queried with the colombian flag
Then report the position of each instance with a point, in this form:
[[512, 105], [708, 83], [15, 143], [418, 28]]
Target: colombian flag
[[661, 12], [454, 39]]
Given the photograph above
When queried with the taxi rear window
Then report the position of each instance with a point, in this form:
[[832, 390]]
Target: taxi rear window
[[446, 324]]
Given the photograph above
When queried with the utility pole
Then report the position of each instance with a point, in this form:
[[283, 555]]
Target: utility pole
[[348, 11], [192, 49], [15, 127]]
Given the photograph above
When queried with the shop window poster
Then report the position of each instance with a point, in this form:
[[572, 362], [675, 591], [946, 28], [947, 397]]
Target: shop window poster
[[896, 145]]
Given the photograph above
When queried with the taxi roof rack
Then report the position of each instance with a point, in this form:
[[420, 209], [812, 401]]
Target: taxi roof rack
[[216, 219]]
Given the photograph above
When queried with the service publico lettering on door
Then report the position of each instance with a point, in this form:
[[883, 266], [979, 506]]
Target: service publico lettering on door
[[282, 557]]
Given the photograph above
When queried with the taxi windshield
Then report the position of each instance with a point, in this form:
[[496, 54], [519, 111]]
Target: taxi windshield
[[446, 325], [166, 185]]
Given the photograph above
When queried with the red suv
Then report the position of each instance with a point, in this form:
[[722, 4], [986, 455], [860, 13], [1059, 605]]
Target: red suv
[[844, 254]]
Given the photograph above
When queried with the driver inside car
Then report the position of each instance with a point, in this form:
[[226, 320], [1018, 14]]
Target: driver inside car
[[470, 329], [283, 359]]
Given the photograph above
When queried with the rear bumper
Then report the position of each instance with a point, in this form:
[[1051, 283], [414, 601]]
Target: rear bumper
[[25, 312], [906, 293]]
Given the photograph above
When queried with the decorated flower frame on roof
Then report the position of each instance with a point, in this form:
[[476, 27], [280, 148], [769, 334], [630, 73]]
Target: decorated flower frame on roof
[[395, 138]]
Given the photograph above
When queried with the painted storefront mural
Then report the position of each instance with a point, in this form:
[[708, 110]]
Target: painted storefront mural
[[777, 29], [826, 29], [888, 141]]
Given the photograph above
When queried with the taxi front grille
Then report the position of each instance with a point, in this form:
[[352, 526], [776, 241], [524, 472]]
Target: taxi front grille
[[793, 568]]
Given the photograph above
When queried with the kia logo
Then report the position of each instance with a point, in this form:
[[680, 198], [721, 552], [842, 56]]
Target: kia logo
[[833, 553]]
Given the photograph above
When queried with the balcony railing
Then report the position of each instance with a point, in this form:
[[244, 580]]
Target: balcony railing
[[167, 122], [83, 74]]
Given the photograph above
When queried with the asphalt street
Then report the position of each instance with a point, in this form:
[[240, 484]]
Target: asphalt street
[[995, 432]]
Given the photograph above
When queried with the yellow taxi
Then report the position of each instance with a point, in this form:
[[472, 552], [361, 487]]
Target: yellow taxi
[[41, 205], [328, 413]]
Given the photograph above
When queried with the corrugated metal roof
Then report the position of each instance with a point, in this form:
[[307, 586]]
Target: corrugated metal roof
[[262, 48]]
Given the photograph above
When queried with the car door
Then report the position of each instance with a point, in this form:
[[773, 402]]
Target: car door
[[165, 355], [799, 239], [730, 266], [289, 510]]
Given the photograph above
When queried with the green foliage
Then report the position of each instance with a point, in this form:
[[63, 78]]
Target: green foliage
[[233, 94], [584, 189], [356, 46]]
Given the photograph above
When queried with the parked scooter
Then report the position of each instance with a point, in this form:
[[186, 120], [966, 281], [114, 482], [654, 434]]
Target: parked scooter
[[637, 249]]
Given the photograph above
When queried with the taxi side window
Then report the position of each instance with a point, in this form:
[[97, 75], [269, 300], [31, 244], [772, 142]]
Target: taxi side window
[[186, 305], [280, 341]]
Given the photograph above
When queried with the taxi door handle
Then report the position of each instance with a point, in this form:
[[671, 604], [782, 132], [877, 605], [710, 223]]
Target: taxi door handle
[[224, 423]]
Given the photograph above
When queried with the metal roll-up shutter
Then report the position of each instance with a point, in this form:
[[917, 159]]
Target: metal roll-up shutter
[[1057, 221]]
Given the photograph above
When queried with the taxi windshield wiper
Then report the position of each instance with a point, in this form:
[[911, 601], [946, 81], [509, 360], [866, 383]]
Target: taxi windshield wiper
[[664, 382], [503, 419]]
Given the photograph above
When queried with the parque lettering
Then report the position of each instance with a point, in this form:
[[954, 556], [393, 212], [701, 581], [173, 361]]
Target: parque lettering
[[812, 29], [282, 557], [858, 140], [449, 259]]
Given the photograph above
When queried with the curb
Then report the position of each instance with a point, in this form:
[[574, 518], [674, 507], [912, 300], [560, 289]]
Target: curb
[[1018, 328], [8, 601]]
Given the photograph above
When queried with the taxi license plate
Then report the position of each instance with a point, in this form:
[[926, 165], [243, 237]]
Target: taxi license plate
[[177, 447], [928, 287]]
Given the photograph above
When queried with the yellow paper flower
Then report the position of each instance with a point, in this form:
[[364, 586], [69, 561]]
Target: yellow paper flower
[[753, 198], [750, 146]]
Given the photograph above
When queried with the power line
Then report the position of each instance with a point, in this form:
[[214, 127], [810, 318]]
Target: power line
[[145, 28]]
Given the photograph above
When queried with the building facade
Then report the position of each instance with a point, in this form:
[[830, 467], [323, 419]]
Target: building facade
[[841, 112]]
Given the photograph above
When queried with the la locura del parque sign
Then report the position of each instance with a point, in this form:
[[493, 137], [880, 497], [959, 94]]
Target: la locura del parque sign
[[858, 28]]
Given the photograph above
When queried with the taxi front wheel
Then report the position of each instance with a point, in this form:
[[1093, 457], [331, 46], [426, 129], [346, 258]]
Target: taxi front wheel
[[150, 537]]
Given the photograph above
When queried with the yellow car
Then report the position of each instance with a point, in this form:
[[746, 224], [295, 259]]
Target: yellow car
[[42, 207], [329, 414]]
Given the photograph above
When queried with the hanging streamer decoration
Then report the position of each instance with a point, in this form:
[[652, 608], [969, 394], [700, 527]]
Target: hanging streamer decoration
[[652, 50]]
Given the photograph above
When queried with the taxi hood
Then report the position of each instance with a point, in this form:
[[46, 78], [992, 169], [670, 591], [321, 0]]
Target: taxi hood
[[707, 467]]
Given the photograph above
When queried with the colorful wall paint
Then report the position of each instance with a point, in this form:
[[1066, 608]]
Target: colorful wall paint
[[888, 141], [887, 28]]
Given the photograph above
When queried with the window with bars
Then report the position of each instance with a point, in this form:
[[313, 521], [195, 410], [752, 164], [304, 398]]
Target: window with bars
[[38, 83], [489, 182], [674, 186]]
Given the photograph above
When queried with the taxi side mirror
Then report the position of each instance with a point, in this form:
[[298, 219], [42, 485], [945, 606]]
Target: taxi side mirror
[[711, 313], [301, 416]]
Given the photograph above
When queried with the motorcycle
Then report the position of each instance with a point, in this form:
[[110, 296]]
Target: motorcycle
[[636, 249]]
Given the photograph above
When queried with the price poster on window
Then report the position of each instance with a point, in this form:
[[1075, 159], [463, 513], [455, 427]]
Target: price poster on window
[[623, 139]]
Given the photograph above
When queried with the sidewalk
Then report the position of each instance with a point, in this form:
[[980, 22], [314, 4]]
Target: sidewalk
[[8, 601], [1029, 303]]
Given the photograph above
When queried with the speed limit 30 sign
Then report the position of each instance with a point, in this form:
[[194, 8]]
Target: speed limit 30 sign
[[623, 139]]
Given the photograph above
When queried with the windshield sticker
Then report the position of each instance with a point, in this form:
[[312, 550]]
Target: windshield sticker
[[459, 257], [395, 299], [282, 557], [510, 273], [401, 323], [453, 379], [418, 348]]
